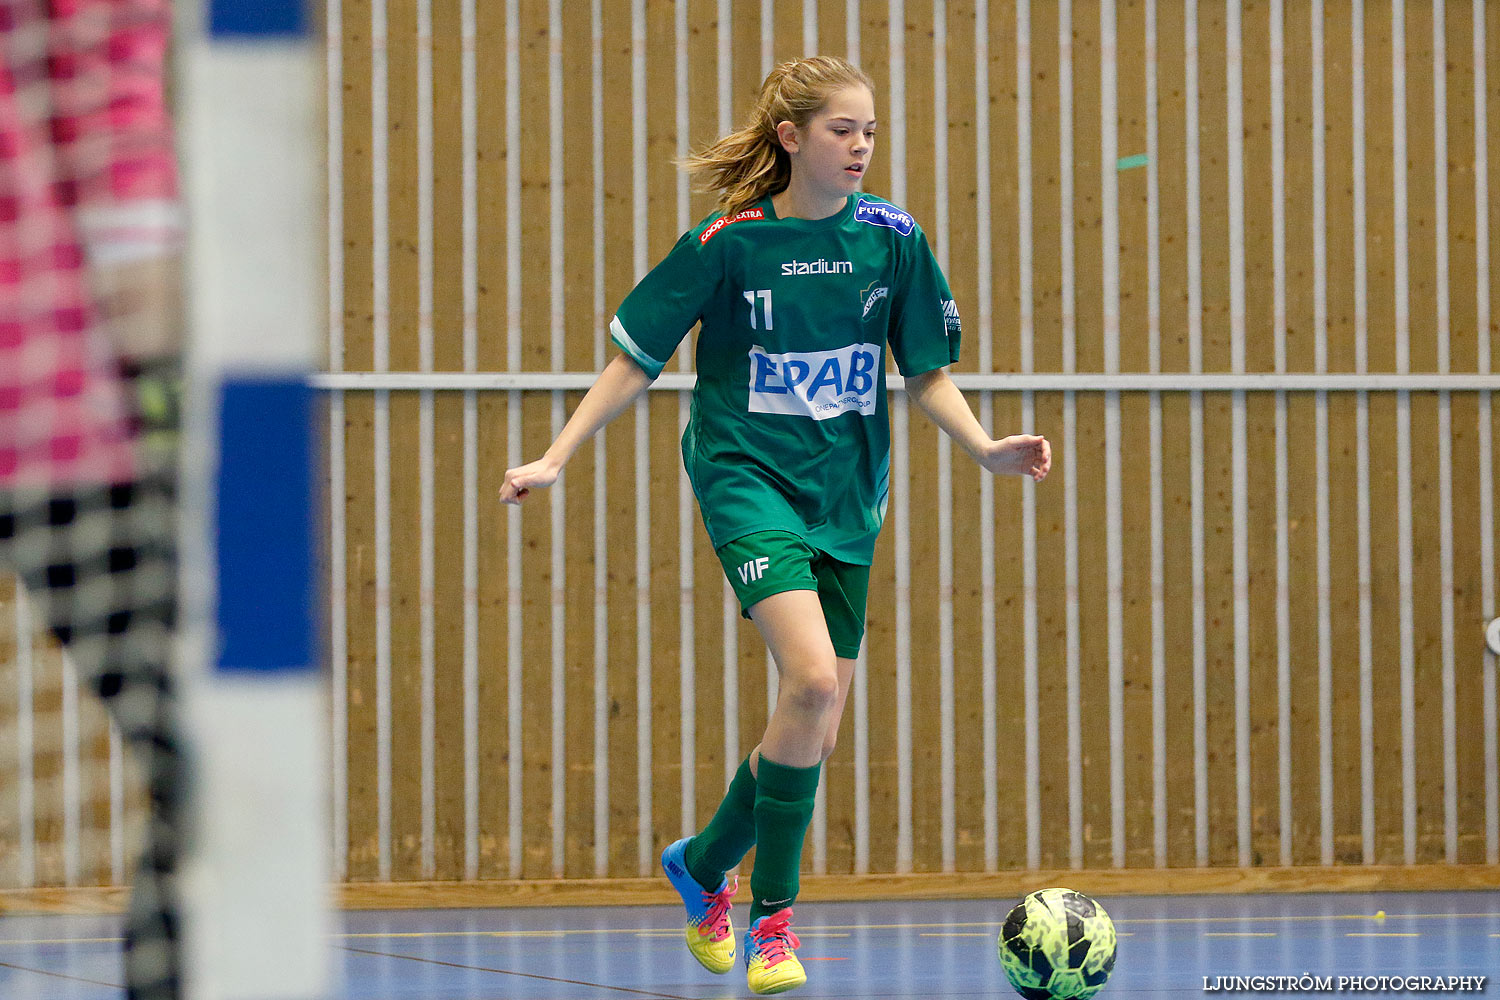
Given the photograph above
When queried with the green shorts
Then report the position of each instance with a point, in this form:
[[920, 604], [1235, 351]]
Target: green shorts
[[772, 562]]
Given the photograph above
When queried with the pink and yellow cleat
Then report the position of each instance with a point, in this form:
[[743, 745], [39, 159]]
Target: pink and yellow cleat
[[771, 964]]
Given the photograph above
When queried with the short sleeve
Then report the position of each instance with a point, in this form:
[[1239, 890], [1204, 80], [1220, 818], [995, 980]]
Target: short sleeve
[[925, 331], [663, 307]]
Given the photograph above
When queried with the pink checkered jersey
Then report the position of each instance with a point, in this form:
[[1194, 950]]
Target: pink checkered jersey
[[87, 179]]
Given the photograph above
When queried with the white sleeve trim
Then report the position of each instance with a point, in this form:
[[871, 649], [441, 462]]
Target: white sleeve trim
[[648, 364], [122, 232]]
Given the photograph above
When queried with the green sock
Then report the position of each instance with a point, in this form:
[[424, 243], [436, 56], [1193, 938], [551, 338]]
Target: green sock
[[729, 835], [783, 808]]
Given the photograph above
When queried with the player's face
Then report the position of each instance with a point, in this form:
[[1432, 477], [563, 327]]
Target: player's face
[[835, 148]]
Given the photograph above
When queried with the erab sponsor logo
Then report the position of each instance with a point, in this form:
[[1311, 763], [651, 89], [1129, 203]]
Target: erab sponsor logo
[[819, 266], [816, 384], [878, 213], [721, 222]]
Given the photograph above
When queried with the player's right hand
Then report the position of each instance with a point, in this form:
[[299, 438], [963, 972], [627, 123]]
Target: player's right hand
[[519, 482]]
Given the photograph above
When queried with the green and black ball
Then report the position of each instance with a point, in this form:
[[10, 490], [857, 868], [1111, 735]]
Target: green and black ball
[[1057, 944]]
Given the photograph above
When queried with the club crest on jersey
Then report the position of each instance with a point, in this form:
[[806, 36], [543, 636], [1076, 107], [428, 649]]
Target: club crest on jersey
[[871, 297], [878, 213], [815, 384], [721, 222]]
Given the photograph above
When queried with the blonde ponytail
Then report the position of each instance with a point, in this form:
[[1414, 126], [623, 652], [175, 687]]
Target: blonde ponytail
[[750, 163]]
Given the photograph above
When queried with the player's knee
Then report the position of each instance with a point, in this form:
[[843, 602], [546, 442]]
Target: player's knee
[[814, 690]]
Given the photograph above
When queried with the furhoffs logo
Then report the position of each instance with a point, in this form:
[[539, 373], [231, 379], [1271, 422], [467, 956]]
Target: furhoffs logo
[[721, 222], [878, 213]]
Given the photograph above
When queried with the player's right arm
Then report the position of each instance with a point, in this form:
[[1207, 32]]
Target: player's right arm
[[616, 388], [650, 323]]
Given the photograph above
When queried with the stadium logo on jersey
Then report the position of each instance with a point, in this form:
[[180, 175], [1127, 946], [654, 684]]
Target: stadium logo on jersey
[[819, 266], [878, 213], [950, 315], [816, 384], [871, 297], [721, 222]]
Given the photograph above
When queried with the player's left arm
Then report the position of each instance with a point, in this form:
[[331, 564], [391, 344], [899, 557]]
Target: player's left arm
[[1020, 454], [129, 211]]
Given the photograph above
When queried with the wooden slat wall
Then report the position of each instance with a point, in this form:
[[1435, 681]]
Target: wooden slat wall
[[82, 792], [516, 295], [427, 795]]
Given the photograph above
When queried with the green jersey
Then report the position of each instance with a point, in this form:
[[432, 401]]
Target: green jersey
[[789, 428]]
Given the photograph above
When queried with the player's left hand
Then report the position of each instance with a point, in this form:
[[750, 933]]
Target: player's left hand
[[1019, 454], [140, 302]]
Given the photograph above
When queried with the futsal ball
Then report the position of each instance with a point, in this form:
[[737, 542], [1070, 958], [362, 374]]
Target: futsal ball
[[1057, 944]]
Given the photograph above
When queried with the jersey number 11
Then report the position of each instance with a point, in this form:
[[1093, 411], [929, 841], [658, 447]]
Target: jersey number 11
[[764, 295]]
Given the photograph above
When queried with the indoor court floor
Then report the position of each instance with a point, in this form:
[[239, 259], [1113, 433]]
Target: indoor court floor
[[911, 949]]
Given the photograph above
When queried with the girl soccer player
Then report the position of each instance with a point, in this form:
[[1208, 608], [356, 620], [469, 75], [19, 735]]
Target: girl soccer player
[[801, 282]]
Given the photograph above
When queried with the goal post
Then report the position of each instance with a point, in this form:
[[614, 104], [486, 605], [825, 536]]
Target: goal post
[[256, 881]]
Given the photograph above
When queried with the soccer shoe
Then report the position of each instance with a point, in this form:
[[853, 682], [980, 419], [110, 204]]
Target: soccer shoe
[[771, 965], [710, 937]]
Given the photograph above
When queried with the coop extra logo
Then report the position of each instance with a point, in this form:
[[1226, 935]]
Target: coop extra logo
[[721, 222]]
